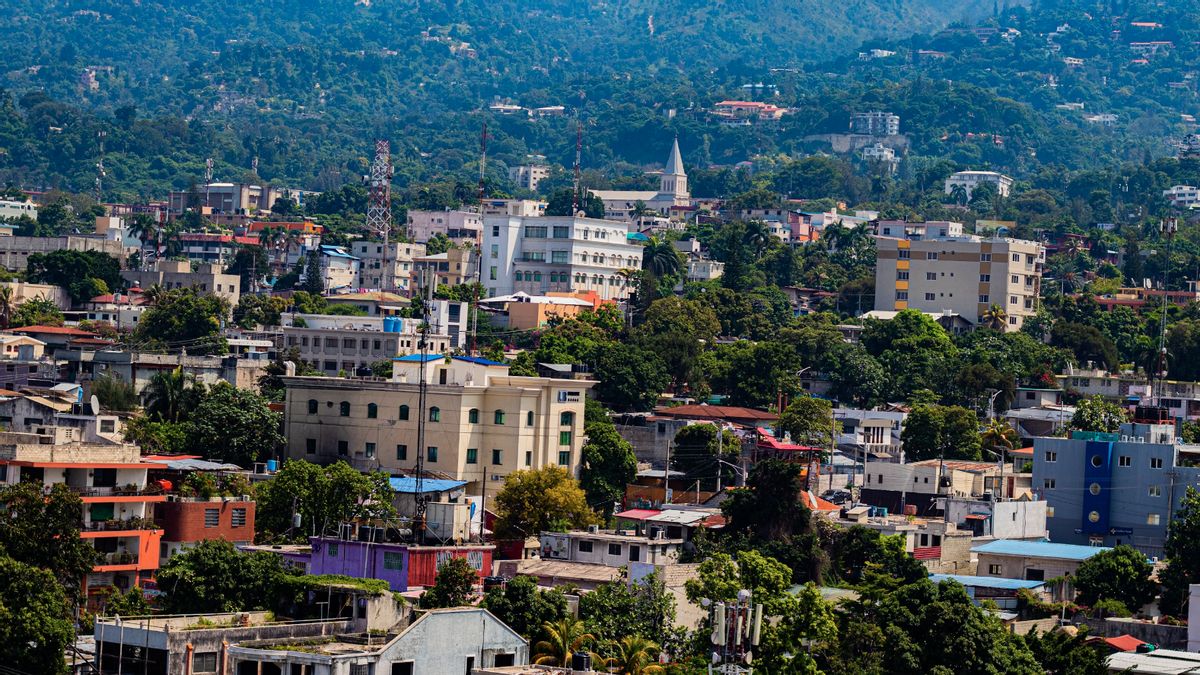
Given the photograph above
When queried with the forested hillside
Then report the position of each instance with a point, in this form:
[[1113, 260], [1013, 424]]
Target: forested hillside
[[305, 87]]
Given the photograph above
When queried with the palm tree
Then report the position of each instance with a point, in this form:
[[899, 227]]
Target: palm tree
[[144, 228], [994, 317], [563, 638], [169, 395], [639, 211], [155, 294], [272, 239], [661, 259], [756, 236], [958, 193], [7, 305], [635, 655]]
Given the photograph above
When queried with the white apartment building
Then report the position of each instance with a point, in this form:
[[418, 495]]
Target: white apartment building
[[13, 209], [970, 179], [459, 226], [933, 229], [1183, 196], [960, 275], [527, 176], [481, 424], [611, 548], [875, 123], [557, 253], [514, 207], [389, 268], [878, 153]]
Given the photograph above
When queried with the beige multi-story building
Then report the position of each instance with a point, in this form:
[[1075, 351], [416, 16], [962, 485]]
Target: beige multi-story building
[[207, 278], [15, 251], [347, 343], [527, 176], [481, 424], [386, 268], [458, 226], [960, 275]]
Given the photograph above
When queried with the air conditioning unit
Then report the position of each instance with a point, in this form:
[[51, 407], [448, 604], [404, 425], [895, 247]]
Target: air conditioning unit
[[593, 529], [660, 535]]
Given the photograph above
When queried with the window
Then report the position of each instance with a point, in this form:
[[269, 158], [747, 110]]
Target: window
[[310, 446], [902, 275], [312, 406], [370, 450], [492, 273], [1155, 491], [393, 560], [635, 553], [614, 549], [499, 417], [564, 457], [431, 454], [204, 662], [1016, 279], [1048, 483], [435, 413], [1156, 463], [560, 257], [1153, 519], [930, 296], [332, 549], [473, 416], [344, 409], [343, 448], [566, 419], [401, 452], [995, 570], [1051, 456], [985, 257], [585, 546], [985, 278], [1124, 460], [403, 412], [212, 517], [932, 255], [561, 232], [983, 299], [904, 254], [497, 457], [931, 276], [1016, 257], [529, 418], [372, 411], [564, 438], [528, 458], [238, 518], [902, 295]]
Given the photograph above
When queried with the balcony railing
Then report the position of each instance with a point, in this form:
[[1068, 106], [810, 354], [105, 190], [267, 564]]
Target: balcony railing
[[120, 525], [118, 491], [119, 558]]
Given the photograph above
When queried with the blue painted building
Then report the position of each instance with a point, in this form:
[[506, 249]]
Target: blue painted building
[[1111, 489]]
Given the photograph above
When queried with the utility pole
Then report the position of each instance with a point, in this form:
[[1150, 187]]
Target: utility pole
[[474, 309], [1168, 228], [379, 206], [418, 521], [575, 199], [208, 179]]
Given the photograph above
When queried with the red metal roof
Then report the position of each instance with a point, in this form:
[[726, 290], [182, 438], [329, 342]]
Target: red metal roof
[[716, 412], [766, 440], [53, 330], [1124, 643]]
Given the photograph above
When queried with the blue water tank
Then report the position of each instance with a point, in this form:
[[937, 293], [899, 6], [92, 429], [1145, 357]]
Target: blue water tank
[[390, 324], [272, 466]]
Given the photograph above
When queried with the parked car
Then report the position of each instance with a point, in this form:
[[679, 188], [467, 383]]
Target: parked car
[[838, 497]]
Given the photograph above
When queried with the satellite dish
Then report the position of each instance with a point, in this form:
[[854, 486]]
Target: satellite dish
[[95, 405]]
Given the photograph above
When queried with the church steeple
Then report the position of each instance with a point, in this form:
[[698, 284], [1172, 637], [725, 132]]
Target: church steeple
[[674, 179]]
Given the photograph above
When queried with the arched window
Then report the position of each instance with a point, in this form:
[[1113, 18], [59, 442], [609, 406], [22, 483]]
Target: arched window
[[345, 408], [537, 276], [566, 419], [312, 406], [529, 418], [372, 411], [435, 414], [499, 418], [473, 416], [403, 412]]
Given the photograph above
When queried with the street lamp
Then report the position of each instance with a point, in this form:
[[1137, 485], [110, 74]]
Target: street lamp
[[742, 473]]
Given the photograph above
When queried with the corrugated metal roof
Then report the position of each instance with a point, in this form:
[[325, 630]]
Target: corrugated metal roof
[[408, 485], [986, 582], [1039, 549], [636, 514], [678, 517], [190, 464]]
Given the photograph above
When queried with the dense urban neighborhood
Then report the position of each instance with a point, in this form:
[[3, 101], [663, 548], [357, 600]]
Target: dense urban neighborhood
[[699, 353]]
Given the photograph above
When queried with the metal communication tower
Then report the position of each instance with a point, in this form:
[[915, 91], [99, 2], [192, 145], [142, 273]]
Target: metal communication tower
[[736, 629], [100, 172], [379, 204], [1166, 228], [208, 177]]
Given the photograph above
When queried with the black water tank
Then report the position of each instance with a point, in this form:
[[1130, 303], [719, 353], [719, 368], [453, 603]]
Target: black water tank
[[581, 661]]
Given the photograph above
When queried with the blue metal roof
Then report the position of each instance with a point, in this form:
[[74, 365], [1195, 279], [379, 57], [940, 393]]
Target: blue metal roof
[[478, 360], [416, 358], [336, 252], [408, 485], [986, 582], [1039, 549]]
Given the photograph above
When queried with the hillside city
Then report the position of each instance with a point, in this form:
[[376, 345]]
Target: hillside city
[[653, 360]]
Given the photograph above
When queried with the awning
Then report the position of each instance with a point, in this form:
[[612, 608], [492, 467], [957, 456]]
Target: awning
[[408, 485], [976, 516]]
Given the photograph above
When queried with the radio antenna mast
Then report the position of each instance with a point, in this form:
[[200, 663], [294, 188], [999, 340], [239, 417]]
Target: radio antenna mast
[[578, 154], [379, 205]]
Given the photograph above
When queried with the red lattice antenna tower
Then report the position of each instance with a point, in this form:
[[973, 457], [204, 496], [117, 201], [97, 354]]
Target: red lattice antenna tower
[[379, 203]]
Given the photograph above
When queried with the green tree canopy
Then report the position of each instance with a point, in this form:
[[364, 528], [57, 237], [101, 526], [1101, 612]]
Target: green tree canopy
[[85, 274], [35, 618], [454, 585], [533, 501], [1096, 414], [213, 576], [1121, 573], [523, 606], [41, 528], [323, 496], [186, 319], [234, 425], [608, 466]]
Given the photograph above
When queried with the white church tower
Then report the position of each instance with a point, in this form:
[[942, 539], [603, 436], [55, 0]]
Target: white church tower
[[673, 183]]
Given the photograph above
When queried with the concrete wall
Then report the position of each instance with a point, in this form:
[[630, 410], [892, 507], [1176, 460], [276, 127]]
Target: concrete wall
[[1016, 567]]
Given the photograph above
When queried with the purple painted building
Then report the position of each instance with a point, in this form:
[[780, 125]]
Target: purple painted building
[[361, 560]]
